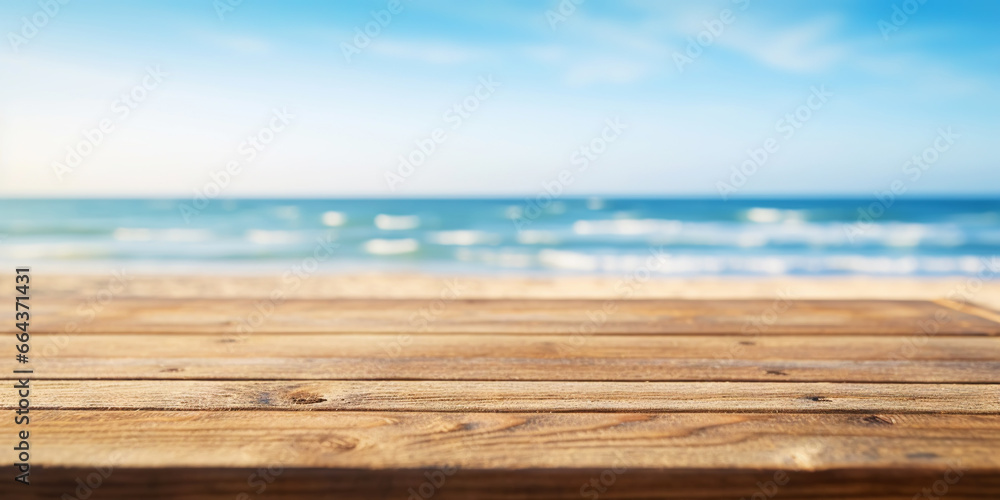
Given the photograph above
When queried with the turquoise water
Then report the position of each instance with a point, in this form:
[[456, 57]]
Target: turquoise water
[[687, 237]]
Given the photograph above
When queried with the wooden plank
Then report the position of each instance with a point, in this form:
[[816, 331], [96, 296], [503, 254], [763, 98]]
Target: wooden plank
[[460, 346], [276, 482], [500, 369], [523, 455], [515, 396], [546, 410], [512, 440], [800, 317], [920, 359], [969, 308]]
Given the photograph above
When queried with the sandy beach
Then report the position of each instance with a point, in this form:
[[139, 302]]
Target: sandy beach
[[969, 289]]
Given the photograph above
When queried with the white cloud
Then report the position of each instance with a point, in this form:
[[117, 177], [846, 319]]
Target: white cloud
[[429, 52], [804, 48]]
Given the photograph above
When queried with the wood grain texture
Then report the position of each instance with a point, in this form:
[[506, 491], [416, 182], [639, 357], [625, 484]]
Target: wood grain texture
[[238, 316], [921, 359], [531, 399], [200, 455], [970, 308], [514, 396], [283, 483], [515, 369], [461, 346], [511, 441]]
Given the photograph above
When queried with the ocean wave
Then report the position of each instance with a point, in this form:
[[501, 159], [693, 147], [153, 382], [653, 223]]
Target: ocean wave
[[771, 215], [381, 246], [172, 235], [396, 222], [60, 251], [463, 238], [537, 237], [504, 259], [333, 219], [605, 235], [626, 227], [776, 265], [790, 231], [573, 261]]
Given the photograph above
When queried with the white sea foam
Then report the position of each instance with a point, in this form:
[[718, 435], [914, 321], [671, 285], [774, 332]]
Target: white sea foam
[[334, 219], [575, 261], [132, 234], [40, 251], [165, 235], [688, 264], [626, 226], [816, 235], [463, 238], [182, 235], [396, 222], [762, 215], [381, 246], [537, 237], [503, 259]]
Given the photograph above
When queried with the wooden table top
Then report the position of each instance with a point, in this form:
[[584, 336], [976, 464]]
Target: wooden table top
[[322, 399]]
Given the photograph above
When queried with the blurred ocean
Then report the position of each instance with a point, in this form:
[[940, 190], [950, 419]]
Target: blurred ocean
[[687, 237]]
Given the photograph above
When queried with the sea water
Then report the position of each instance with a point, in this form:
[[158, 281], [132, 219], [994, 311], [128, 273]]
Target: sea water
[[683, 237]]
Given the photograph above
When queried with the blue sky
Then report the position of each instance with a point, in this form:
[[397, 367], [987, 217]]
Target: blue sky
[[222, 78]]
